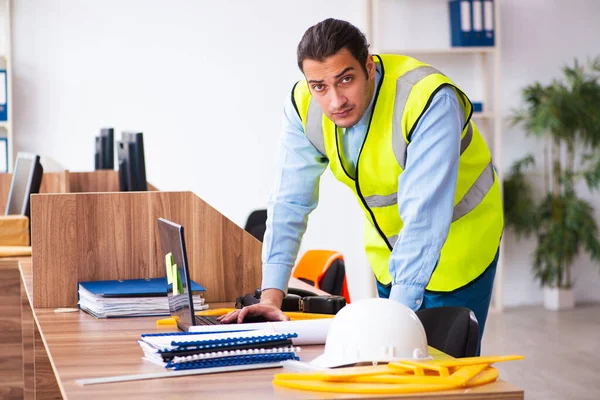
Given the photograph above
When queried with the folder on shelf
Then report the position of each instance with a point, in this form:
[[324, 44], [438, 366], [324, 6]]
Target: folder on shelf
[[471, 22], [461, 32], [3, 96], [488, 23], [477, 17]]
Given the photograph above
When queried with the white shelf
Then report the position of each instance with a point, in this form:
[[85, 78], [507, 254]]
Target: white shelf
[[444, 51], [4, 124]]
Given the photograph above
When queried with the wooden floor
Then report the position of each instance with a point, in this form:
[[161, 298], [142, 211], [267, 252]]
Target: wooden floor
[[561, 349]]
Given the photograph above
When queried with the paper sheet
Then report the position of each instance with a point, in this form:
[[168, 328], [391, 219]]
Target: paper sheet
[[309, 331]]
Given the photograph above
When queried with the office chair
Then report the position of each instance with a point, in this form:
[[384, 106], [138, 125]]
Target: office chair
[[325, 270], [256, 224], [452, 330]]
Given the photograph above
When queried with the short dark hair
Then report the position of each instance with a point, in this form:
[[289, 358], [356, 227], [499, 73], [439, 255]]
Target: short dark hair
[[330, 36]]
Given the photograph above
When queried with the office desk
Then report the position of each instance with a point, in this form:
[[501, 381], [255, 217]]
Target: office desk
[[70, 346]]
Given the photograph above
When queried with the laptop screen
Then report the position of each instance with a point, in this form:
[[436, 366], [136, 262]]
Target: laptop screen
[[180, 298]]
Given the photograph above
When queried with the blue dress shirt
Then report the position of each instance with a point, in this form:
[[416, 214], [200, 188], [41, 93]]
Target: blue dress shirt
[[426, 191]]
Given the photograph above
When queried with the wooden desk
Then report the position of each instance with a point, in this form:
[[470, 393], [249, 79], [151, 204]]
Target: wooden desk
[[59, 349]]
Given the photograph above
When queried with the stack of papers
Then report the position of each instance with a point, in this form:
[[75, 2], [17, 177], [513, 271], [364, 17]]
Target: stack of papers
[[131, 298], [184, 350]]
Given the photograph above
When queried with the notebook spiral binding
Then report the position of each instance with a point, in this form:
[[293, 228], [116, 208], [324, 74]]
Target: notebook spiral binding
[[232, 353], [235, 360], [234, 340]]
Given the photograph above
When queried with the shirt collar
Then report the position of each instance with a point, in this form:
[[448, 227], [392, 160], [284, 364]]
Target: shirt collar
[[364, 121]]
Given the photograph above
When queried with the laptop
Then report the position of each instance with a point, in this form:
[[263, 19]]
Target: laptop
[[181, 305]]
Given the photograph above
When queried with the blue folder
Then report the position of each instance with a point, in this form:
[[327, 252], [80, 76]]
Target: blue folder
[[3, 96], [471, 22], [132, 287]]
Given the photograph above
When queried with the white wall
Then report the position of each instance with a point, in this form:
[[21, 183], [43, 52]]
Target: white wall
[[205, 82]]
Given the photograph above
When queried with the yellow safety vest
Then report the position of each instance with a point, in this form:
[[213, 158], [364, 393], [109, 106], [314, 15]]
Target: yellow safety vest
[[403, 94]]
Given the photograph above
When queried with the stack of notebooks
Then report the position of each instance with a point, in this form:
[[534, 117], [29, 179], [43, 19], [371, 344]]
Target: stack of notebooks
[[187, 350], [131, 298]]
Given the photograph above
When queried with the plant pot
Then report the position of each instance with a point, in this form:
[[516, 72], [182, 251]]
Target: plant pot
[[558, 299]]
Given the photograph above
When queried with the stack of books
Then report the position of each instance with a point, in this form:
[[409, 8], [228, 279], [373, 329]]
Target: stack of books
[[131, 298], [186, 350]]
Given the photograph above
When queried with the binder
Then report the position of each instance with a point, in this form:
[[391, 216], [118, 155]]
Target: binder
[[488, 23], [132, 287], [3, 96], [477, 16], [461, 23], [471, 22]]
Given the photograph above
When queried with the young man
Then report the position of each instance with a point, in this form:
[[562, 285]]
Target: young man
[[399, 134]]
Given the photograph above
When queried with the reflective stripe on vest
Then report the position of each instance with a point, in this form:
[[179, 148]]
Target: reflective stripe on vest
[[314, 126], [470, 200], [404, 86]]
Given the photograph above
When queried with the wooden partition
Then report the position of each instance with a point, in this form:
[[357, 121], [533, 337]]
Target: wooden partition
[[96, 181], [69, 182], [96, 236], [52, 182]]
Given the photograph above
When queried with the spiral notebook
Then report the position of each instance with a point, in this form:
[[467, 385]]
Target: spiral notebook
[[187, 350]]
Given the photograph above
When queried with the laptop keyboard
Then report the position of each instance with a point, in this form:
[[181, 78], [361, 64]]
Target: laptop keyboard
[[203, 320]]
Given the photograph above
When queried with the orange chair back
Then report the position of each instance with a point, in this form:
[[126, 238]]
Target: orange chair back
[[314, 265]]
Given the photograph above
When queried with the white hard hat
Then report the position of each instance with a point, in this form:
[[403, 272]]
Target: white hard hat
[[372, 331]]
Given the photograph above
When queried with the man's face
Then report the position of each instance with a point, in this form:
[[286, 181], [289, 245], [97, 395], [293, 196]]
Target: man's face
[[340, 86]]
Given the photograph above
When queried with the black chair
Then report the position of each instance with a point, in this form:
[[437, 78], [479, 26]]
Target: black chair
[[333, 280], [453, 330], [256, 224]]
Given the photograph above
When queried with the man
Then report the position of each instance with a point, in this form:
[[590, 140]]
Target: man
[[399, 134]]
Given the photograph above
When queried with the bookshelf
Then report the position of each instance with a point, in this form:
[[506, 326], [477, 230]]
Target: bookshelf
[[6, 128], [425, 17]]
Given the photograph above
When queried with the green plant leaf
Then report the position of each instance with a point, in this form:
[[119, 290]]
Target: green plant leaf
[[565, 113], [519, 206]]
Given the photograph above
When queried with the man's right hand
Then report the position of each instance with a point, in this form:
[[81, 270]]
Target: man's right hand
[[268, 308]]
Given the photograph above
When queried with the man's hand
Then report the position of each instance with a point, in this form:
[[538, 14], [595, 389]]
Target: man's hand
[[268, 308]]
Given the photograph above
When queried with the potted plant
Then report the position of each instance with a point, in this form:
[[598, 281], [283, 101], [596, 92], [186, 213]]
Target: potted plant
[[565, 116]]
